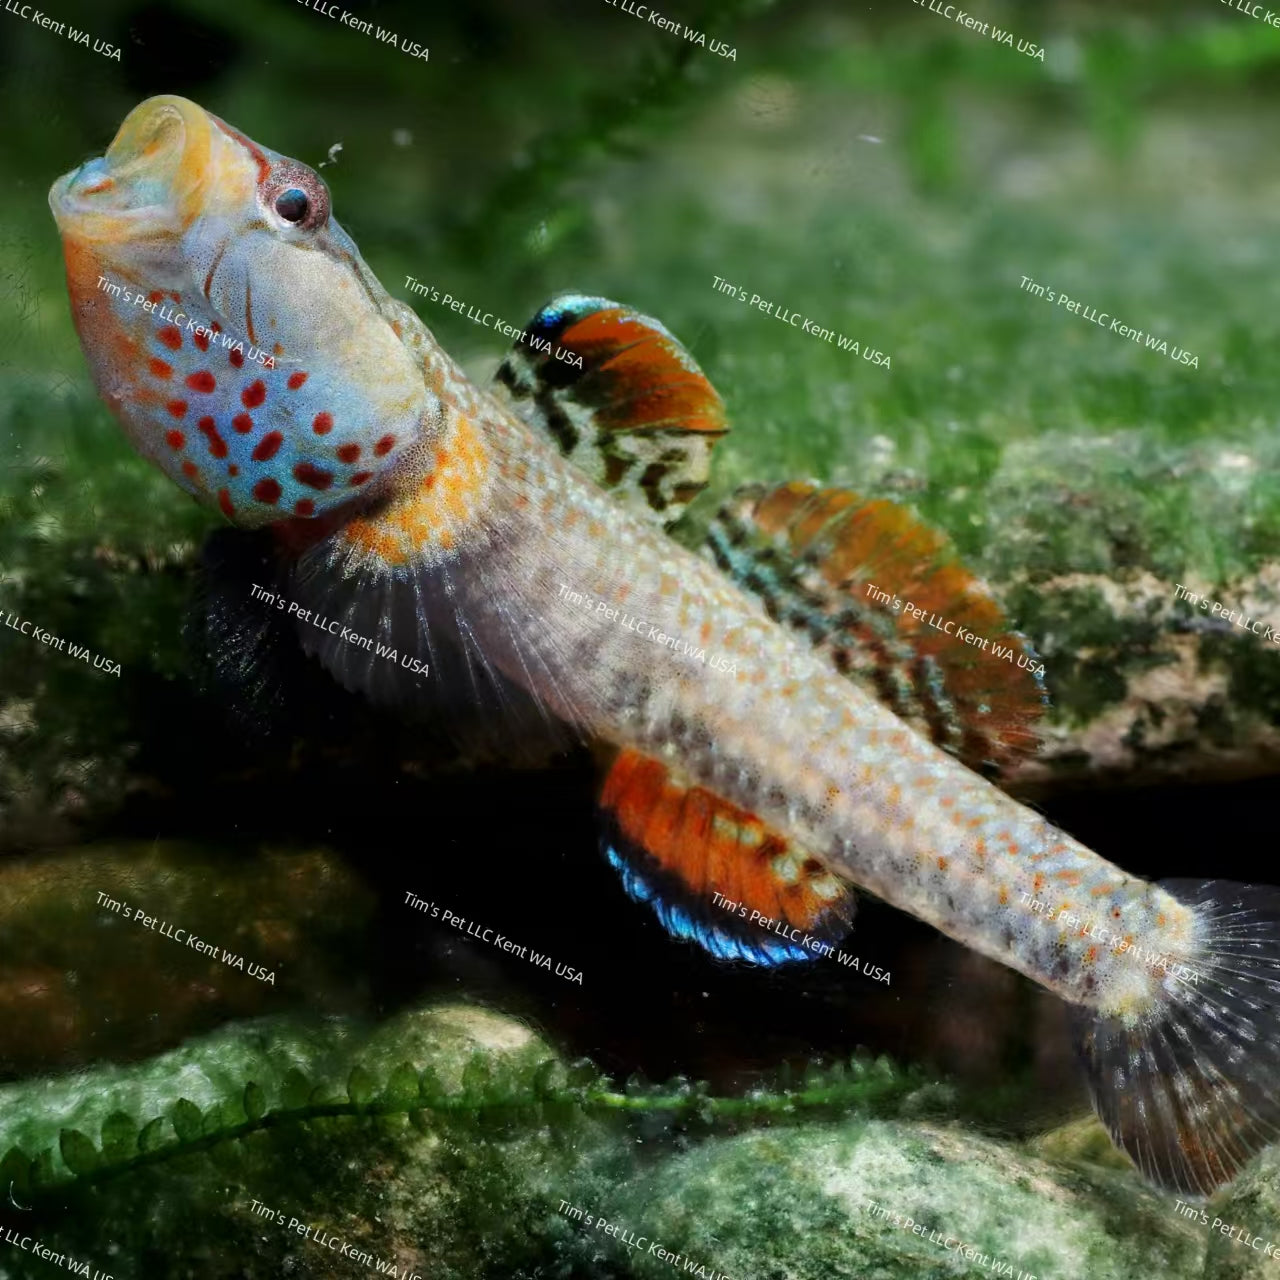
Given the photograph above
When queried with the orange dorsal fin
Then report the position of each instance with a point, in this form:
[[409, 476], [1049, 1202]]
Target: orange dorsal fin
[[619, 397], [887, 599], [714, 873]]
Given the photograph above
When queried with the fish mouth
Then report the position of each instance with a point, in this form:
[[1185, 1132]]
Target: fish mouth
[[152, 175]]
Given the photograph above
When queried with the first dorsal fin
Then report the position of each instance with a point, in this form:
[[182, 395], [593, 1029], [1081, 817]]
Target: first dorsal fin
[[885, 597], [620, 398], [715, 874]]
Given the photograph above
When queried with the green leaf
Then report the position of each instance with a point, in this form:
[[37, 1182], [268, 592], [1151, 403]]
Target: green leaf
[[78, 1153], [187, 1120], [402, 1087], [119, 1136], [255, 1101], [153, 1135], [43, 1174], [421, 1120], [15, 1171], [476, 1077], [361, 1086], [296, 1090], [544, 1078], [430, 1086]]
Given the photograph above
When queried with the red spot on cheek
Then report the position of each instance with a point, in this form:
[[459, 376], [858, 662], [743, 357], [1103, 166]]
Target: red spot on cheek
[[170, 336], [175, 439], [303, 507], [384, 445], [242, 423], [161, 368], [313, 477], [190, 470], [224, 501], [217, 445], [254, 394], [236, 358], [322, 424], [348, 452], [296, 380], [359, 478], [201, 341], [233, 470], [267, 490], [177, 407], [202, 381], [156, 295], [268, 446]]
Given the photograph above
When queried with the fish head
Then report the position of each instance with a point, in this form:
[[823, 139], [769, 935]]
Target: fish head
[[231, 324]]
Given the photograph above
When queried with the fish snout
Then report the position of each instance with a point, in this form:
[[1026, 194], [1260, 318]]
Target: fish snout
[[152, 175]]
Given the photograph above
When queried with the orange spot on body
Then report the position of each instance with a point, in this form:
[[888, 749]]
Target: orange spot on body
[[242, 423], [348, 452], [942, 864], [384, 446], [175, 439], [1004, 895], [190, 470], [304, 507], [106, 184], [201, 340], [254, 394], [177, 407], [267, 490], [236, 358], [201, 381], [170, 336], [322, 424], [296, 380], [359, 478], [160, 368], [224, 501]]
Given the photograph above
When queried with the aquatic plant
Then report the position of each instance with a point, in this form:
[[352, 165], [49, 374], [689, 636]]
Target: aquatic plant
[[490, 1104]]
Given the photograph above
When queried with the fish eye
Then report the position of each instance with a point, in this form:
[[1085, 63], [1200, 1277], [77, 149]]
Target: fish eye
[[292, 205], [296, 196]]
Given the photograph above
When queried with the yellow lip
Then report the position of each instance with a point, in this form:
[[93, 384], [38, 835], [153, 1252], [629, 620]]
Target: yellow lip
[[152, 176]]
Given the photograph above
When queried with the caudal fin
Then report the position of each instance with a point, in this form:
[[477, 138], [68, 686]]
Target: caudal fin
[[1191, 1088]]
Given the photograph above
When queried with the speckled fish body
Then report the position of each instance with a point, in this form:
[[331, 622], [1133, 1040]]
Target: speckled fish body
[[422, 505]]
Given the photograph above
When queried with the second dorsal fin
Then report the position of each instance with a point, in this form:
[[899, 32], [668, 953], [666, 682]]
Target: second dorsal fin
[[887, 599], [620, 398]]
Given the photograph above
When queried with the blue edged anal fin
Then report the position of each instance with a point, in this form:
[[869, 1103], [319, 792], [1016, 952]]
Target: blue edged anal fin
[[715, 874], [620, 398]]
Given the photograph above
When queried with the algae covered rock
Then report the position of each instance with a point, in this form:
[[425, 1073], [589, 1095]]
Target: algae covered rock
[[890, 1199], [1242, 1223], [122, 949]]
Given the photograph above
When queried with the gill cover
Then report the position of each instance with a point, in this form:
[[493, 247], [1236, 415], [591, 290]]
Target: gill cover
[[231, 324]]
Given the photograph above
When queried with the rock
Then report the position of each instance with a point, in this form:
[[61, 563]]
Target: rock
[[491, 1182], [80, 980], [1242, 1222]]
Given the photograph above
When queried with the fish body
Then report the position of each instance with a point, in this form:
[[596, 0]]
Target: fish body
[[426, 512]]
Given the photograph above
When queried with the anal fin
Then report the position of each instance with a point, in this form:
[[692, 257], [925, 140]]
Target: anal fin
[[715, 874]]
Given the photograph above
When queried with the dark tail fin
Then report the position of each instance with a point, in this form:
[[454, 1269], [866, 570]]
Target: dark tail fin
[[1191, 1088]]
